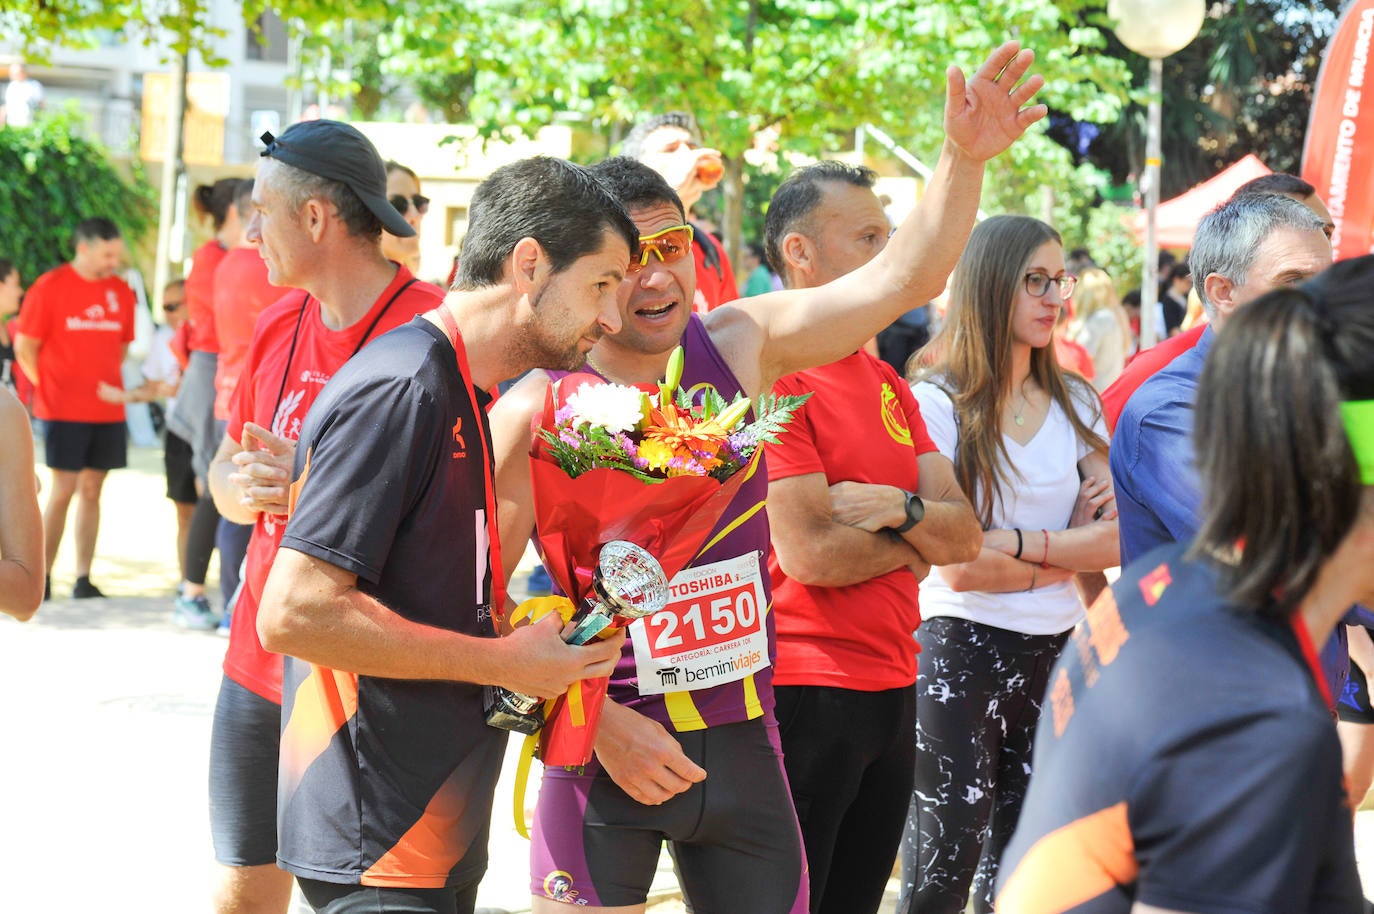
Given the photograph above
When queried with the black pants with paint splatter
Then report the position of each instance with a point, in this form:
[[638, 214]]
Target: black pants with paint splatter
[[978, 700]]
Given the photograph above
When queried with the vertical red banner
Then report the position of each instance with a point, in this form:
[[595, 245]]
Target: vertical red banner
[[1338, 158]]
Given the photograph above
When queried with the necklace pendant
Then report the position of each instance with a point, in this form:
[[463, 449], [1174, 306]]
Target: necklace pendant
[[1019, 419]]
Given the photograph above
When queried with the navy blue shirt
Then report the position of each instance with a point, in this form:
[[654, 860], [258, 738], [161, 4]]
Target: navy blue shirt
[[1185, 760]]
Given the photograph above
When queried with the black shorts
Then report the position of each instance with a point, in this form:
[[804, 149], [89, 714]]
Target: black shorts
[[332, 898], [181, 479], [245, 742], [77, 446], [734, 836]]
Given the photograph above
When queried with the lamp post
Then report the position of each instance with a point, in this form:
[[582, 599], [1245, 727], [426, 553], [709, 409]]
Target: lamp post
[[1154, 29]]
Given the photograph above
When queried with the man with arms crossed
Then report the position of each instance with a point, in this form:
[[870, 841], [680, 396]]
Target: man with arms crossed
[[736, 842], [854, 530], [319, 206], [384, 587]]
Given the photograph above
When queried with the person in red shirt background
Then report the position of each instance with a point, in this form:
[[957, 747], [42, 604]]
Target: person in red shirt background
[[76, 328], [193, 418]]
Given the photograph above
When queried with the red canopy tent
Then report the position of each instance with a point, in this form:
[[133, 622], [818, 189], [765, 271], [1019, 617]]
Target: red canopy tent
[[1177, 219]]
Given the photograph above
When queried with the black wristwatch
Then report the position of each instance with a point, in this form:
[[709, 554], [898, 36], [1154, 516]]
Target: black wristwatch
[[915, 512]]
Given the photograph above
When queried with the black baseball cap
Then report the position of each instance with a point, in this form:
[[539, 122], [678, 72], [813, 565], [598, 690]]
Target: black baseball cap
[[337, 151]]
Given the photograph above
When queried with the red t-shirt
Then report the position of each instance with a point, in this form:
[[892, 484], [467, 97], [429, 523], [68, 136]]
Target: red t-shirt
[[200, 296], [1075, 358], [241, 293], [83, 327], [1143, 367], [862, 425], [277, 395], [715, 285]]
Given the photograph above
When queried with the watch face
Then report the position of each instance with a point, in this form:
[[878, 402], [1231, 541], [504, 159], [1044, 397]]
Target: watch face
[[915, 508]]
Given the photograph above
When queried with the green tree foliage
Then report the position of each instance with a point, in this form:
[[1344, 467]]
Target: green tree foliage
[[813, 69], [180, 26], [54, 178], [1244, 85]]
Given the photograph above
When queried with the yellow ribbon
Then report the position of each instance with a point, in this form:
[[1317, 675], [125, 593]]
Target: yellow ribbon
[[533, 610]]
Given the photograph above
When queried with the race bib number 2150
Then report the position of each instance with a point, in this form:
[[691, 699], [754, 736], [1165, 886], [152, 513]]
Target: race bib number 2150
[[710, 633]]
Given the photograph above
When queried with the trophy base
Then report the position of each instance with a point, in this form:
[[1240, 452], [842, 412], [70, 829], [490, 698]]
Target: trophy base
[[504, 714]]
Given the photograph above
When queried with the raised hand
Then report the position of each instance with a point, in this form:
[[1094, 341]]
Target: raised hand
[[985, 114]]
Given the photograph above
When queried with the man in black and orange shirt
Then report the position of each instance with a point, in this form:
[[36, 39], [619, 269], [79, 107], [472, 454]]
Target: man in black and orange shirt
[[383, 590]]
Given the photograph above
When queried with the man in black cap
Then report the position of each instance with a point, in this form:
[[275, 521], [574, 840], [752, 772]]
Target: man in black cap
[[320, 206]]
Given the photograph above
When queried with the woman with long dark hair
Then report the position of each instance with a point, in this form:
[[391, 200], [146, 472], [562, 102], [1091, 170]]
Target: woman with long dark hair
[[1029, 449], [1191, 763]]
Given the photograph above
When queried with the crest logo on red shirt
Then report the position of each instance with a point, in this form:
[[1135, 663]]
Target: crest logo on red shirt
[[894, 420]]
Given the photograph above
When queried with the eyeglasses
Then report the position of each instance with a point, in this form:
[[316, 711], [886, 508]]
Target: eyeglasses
[[1038, 283], [403, 203], [671, 245]]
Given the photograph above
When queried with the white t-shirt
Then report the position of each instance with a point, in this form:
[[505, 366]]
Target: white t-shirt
[[160, 364], [1039, 496]]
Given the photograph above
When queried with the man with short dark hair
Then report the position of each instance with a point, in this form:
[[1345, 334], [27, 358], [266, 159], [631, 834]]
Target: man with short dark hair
[[73, 334], [670, 144], [319, 205], [599, 831], [388, 579], [853, 533]]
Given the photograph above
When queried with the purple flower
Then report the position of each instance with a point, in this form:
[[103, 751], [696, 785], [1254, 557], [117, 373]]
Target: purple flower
[[563, 415], [568, 438], [641, 463]]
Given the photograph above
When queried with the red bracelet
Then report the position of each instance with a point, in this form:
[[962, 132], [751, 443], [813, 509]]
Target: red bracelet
[[1045, 562]]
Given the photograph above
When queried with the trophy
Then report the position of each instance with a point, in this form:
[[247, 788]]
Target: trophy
[[629, 584]]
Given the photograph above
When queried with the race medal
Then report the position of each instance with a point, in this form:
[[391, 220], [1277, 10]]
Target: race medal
[[710, 633]]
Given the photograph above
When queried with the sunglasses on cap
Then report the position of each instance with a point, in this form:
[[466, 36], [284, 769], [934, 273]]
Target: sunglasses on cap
[[671, 245], [403, 203]]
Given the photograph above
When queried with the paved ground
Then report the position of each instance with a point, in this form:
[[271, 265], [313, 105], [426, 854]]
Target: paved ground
[[105, 718]]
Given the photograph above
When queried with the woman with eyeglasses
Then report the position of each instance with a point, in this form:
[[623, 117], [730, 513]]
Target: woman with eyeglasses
[[403, 190], [1029, 448]]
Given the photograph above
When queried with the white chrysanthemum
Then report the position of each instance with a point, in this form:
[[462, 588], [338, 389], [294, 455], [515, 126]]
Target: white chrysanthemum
[[610, 406]]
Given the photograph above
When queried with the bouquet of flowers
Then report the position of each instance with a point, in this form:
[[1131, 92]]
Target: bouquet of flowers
[[654, 466]]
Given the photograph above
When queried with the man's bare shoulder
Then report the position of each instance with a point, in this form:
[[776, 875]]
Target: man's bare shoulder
[[521, 403]]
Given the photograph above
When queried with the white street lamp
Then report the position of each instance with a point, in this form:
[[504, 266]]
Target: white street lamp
[[1154, 29]]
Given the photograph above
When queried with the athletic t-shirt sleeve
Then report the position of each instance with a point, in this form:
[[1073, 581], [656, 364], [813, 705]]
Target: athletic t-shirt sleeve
[[35, 318], [795, 453], [937, 416], [1217, 837], [915, 422], [355, 472], [128, 302]]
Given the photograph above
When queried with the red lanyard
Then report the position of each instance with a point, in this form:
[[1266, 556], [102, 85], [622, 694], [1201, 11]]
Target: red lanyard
[[498, 583], [1309, 653]]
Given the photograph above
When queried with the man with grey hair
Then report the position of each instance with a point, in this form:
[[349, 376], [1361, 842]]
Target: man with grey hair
[[1248, 246]]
